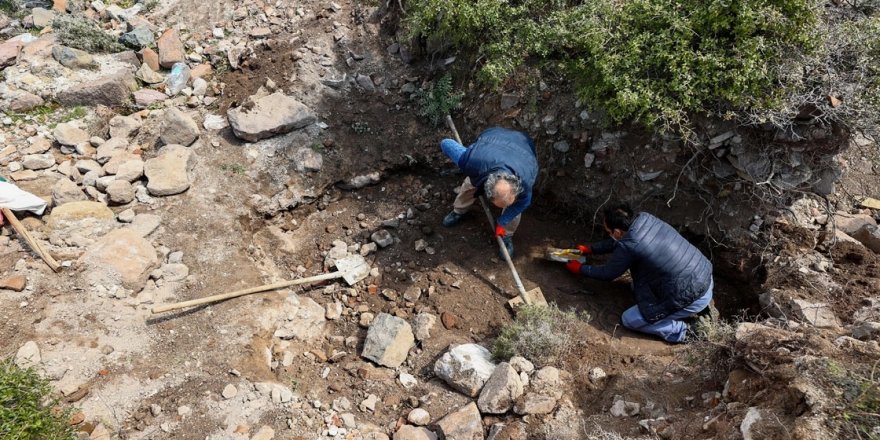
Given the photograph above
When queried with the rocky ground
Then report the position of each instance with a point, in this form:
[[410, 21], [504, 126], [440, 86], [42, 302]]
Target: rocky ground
[[237, 144]]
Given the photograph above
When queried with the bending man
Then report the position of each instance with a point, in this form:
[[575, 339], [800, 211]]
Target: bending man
[[501, 164], [671, 279]]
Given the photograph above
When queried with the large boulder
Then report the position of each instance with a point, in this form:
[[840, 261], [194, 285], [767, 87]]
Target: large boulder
[[121, 257], [113, 91], [466, 368], [269, 115], [178, 128], [388, 341], [462, 424], [501, 390], [169, 172]]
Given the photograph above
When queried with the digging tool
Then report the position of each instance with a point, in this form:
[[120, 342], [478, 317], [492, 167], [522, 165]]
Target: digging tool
[[531, 297], [564, 255], [352, 269], [34, 244]]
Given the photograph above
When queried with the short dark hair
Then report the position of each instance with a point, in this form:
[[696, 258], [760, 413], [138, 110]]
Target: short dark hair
[[618, 216]]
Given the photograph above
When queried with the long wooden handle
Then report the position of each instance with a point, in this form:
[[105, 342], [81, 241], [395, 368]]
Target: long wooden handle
[[504, 253], [34, 244], [237, 293]]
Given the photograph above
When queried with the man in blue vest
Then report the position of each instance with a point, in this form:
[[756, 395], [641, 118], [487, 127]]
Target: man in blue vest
[[671, 279], [502, 165]]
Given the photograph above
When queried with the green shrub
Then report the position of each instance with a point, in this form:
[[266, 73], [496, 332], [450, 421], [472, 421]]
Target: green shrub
[[660, 61], [26, 408], [84, 34], [439, 100], [538, 333]]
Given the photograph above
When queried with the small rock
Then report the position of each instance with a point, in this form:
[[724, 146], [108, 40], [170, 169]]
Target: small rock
[[178, 128], [126, 216], [522, 365], [462, 424], [70, 135], [171, 50], [72, 58], [366, 319], [15, 283], [265, 433], [148, 75], [419, 417], [500, 391], [333, 310], [229, 391], [144, 98], [388, 341], [407, 380], [596, 375], [66, 191], [120, 192], [382, 238], [448, 320], [28, 355], [169, 172], [422, 325], [622, 408], [138, 38], [155, 410], [38, 161], [466, 368], [818, 315], [369, 404]]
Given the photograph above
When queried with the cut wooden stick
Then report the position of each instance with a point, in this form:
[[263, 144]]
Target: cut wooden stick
[[34, 244], [237, 293]]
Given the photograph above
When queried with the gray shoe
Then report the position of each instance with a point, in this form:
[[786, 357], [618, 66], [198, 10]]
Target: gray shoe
[[452, 219]]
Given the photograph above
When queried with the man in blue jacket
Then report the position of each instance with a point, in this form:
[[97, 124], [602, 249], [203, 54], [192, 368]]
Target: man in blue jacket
[[502, 164], [671, 279]]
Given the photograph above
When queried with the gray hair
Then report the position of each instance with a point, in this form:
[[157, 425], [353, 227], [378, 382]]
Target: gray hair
[[497, 176]]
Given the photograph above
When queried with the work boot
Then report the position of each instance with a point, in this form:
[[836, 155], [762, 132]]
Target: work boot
[[508, 243], [452, 219]]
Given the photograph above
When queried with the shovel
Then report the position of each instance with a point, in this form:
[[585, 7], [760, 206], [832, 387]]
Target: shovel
[[531, 297], [352, 269]]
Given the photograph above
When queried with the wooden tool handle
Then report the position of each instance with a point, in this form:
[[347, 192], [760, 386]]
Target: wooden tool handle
[[503, 248], [237, 293], [34, 244]]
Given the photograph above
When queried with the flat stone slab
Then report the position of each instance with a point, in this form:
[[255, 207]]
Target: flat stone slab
[[267, 116]]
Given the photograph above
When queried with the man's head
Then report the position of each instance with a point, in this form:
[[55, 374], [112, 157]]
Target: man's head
[[618, 218], [502, 188]]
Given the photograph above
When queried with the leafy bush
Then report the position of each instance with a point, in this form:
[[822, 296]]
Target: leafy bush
[[439, 100], [84, 34], [659, 61], [26, 411], [538, 333]]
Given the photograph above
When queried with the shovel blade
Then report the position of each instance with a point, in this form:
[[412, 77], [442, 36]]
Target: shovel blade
[[532, 297], [355, 268]]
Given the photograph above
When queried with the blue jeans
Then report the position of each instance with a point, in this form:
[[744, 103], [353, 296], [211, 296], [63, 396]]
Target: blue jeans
[[670, 328], [452, 149]]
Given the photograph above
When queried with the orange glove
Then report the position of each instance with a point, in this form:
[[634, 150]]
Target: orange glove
[[499, 231], [574, 266], [585, 249]]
